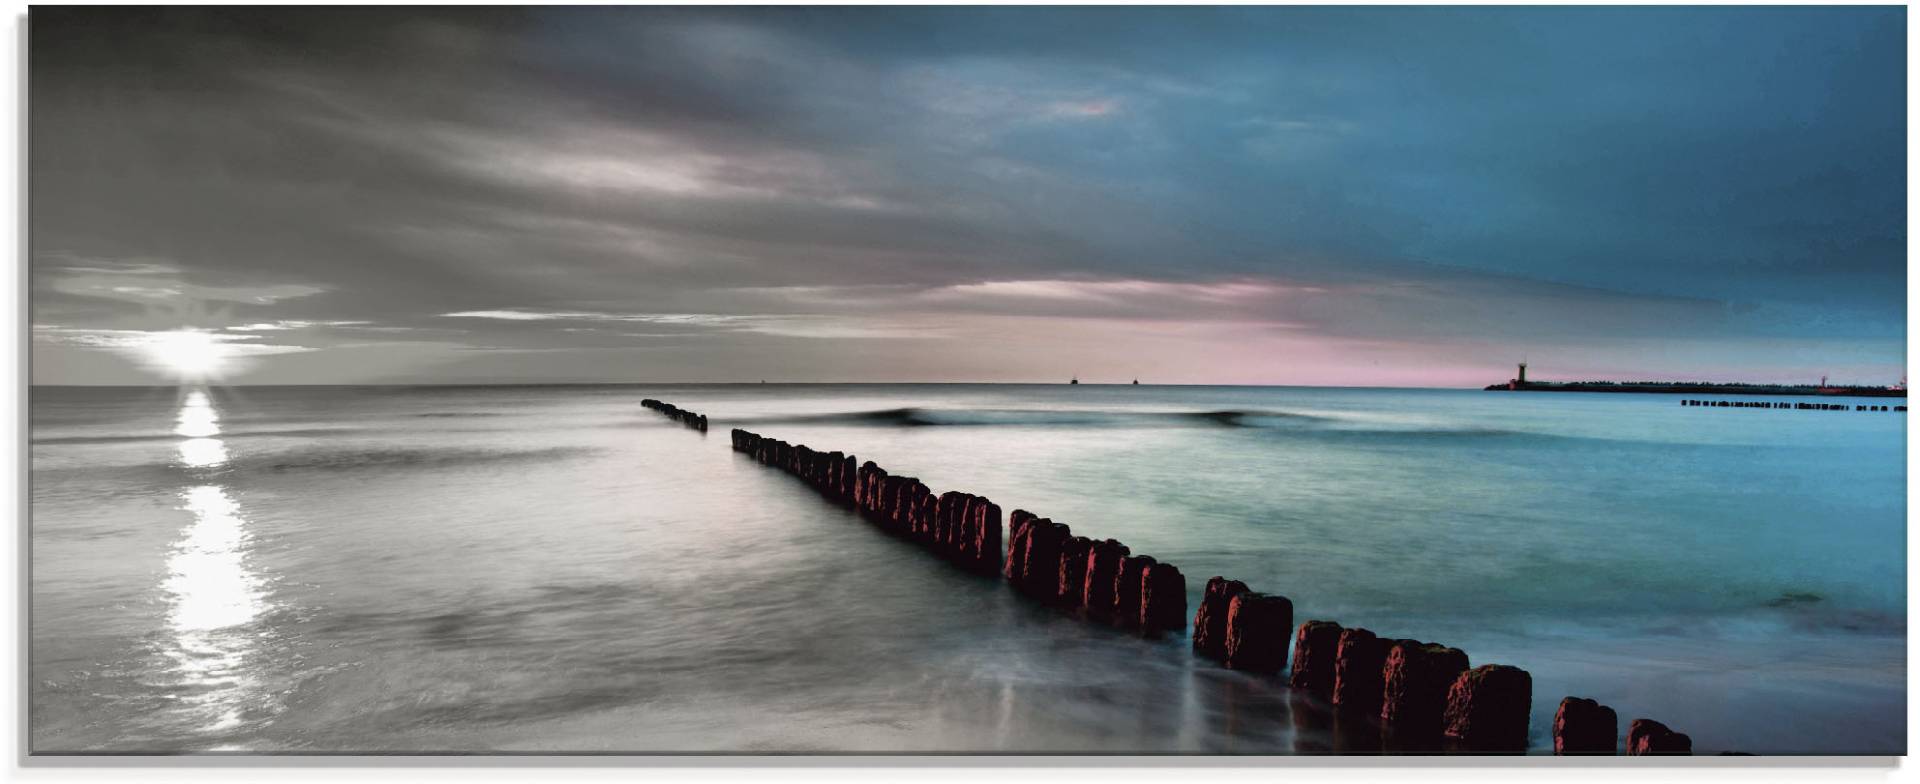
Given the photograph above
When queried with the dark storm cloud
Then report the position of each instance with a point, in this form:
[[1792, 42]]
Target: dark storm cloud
[[731, 188]]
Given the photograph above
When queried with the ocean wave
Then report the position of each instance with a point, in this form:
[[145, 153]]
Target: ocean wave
[[1480, 438], [1811, 611], [1267, 419], [1281, 423], [1446, 433], [973, 417]]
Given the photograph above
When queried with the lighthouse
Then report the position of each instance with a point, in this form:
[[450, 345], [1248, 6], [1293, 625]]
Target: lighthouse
[[1521, 382]]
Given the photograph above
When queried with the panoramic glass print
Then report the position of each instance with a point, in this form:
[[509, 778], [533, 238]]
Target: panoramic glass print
[[1261, 380]]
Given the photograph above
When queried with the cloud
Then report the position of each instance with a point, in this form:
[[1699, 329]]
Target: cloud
[[777, 179], [170, 355], [153, 282], [282, 325], [797, 326], [1083, 109], [135, 339], [650, 318]]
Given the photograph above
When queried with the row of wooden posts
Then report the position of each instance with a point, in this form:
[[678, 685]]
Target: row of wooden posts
[[692, 420], [1422, 697], [1789, 406]]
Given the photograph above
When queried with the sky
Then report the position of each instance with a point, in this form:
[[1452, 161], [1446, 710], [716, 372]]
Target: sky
[[1342, 196]]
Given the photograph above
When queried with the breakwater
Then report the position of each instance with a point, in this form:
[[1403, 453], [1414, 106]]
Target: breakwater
[[1789, 406], [1395, 695], [692, 420], [1659, 388]]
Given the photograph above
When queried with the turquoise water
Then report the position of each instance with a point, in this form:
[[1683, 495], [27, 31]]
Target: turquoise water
[[558, 568]]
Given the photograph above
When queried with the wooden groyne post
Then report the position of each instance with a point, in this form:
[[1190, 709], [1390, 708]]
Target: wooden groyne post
[[1583, 726], [691, 420], [1257, 631], [1315, 650], [1414, 690], [1774, 404], [1488, 709], [1359, 666], [1648, 737]]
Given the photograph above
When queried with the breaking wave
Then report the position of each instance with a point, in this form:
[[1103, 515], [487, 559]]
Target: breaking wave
[[940, 417], [1254, 419], [1277, 423]]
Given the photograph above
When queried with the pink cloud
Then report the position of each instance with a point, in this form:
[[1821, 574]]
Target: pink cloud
[[1089, 109]]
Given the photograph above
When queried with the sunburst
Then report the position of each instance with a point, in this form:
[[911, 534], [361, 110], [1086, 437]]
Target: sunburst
[[188, 354]]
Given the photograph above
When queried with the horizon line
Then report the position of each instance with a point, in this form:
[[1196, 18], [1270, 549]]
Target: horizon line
[[718, 383]]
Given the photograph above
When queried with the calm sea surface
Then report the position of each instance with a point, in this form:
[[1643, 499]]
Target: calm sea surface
[[560, 569]]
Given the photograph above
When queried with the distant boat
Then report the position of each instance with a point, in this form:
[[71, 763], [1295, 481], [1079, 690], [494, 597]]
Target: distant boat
[[1136, 382], [1076, 380]]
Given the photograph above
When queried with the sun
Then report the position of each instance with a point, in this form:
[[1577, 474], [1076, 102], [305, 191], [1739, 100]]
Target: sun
[[190, 354]]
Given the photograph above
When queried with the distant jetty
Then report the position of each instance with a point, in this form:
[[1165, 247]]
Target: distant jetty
[[1521, 384]]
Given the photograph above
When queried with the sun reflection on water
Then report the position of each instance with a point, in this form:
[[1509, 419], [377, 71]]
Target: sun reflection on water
[[214, 597], [207, 576], [197, 419], [203, 453]]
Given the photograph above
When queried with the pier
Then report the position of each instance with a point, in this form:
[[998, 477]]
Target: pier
[[1519, 383], [1410, 696]]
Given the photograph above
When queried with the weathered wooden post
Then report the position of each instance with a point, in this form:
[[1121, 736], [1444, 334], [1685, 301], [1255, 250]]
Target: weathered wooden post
[[891, 494], [1129, 585], [866, 489], [899, 500], [1210, 620], [1360, 662], [1488, 709], [986, 533], [947, 515], [1413, 700], [960, 534], [966, 533], [1042, 567], [1314, 655], [1163, 598], [1103, 568], [1584, 726], [1019, 538], [919, 514], [1257, 629], [1646, 737], [849, 474], [1070, 587]]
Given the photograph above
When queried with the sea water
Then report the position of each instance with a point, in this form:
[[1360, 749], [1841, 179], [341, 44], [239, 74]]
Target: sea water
[[370, 569]]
